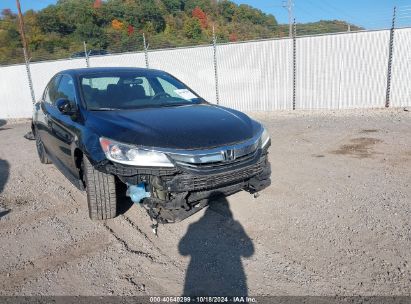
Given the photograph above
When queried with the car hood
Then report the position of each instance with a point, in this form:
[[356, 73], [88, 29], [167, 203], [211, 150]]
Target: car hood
[[182, 127]]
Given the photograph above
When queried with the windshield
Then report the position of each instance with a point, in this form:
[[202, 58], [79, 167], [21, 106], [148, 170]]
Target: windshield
[[131, 90]]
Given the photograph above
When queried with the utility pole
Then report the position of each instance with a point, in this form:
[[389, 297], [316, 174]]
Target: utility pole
[[288, 5], [26, 52], [21, 23]]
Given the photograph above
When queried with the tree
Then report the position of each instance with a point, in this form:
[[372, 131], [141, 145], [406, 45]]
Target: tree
[[233, 37], [201, 16], [52, 20], [173, 6], [192, 28], [227, 9], [206, 5], [92, 34], [130, 30], [6, 13], [150, 13], [117, 25], [59, 30], [97, 4]]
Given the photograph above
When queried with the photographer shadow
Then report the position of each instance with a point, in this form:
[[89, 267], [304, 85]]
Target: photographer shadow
[[216, 244]]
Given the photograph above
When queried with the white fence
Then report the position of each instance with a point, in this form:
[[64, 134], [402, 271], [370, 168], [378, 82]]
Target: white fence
[[337, 71]]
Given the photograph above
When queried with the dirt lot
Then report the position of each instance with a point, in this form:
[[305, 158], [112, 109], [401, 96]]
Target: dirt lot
[[336, 220]]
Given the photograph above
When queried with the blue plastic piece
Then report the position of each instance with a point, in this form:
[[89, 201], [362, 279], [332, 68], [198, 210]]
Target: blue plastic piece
[[137, 192]]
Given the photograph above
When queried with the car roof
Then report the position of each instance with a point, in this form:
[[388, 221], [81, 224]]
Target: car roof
[[89, 71]]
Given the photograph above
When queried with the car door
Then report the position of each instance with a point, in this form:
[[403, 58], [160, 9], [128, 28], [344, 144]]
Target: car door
[[63, 127], [43, 123]]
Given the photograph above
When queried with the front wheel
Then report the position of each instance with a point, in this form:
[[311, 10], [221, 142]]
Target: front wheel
[[101, 192]]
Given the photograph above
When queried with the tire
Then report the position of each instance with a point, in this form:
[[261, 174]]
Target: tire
[[101, 191], [41, 152]]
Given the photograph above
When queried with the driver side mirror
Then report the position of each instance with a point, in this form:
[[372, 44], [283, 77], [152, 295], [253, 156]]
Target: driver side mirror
[[66, 107]]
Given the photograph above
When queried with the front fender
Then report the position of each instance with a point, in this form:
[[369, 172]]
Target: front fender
[[89, 143]]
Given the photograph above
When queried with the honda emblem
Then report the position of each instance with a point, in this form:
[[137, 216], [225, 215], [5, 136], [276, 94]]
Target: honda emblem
[[228, 155]]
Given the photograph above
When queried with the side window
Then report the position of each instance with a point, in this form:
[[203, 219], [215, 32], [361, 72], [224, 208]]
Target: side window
[[50, 94], [66, 89]]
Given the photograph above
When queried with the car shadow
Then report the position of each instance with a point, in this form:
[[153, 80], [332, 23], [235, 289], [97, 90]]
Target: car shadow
[[216, 244], [4, 213], [3, 123], [4, 175], [124, 203]]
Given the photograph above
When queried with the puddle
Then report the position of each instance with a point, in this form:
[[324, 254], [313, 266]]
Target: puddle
[[359, 147]]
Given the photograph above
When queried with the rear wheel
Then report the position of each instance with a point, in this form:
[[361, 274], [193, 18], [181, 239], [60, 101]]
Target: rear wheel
[[101, 192], [41, 151]]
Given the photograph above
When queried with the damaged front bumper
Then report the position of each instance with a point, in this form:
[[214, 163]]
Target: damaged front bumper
[[179, 192]]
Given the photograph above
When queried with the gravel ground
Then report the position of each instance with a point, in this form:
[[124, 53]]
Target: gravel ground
[[335, 221]]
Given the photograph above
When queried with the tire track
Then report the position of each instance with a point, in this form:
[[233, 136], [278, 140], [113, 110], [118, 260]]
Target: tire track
[[154, 265], [134, 226], [127, 247], [11, 282]]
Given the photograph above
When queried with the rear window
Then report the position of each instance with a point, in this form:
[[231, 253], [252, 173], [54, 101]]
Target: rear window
[[100, 83]]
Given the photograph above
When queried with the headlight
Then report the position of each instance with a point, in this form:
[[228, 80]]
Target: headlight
[[265, 139], [130, 155]]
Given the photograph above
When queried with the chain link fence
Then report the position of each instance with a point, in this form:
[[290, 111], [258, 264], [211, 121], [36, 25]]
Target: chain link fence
[[364, 69]]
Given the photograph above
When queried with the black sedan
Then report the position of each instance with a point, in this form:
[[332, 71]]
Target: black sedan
[[145, 133]]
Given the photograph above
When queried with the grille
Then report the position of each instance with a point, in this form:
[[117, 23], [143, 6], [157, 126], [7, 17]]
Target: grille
[[124, 170], [189, 182], [220, 164]]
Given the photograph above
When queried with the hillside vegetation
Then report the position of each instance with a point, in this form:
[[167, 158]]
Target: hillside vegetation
[[58, 31]]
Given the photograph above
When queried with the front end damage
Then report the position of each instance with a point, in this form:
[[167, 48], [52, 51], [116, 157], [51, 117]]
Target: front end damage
[[175, 193]]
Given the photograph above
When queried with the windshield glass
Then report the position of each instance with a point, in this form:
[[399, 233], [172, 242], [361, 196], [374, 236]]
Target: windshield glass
[[130, 90]]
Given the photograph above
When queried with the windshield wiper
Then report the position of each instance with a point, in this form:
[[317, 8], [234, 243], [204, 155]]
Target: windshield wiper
[[173, 105]]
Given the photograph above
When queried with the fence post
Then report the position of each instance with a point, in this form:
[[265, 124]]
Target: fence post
[[146, 51], [391, 49], [86, 54], [217, 94], [27, 61], [294, 64]]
